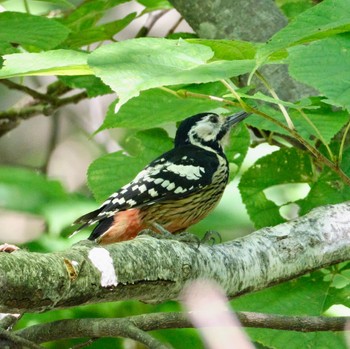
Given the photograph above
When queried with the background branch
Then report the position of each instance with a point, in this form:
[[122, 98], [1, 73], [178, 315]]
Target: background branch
[[80, 328], [45, 104]]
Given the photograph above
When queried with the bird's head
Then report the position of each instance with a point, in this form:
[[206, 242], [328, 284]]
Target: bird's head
[[206, 129]]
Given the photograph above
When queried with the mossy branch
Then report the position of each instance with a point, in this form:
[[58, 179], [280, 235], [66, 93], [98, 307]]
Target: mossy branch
[[153, 270]]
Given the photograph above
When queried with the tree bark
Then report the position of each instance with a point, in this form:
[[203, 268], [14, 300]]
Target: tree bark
[[247, 20], [153, 270]]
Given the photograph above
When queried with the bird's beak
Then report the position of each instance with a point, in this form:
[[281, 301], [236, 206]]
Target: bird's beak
[[235, 119]]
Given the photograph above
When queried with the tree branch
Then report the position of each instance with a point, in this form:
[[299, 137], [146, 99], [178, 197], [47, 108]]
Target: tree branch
[[153, 270], [29, 91], [45, 104], [114, 327]]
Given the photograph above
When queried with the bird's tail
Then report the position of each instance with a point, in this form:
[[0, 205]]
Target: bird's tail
[[86, 220]]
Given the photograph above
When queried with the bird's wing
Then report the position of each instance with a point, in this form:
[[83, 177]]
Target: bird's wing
[[174, 175]]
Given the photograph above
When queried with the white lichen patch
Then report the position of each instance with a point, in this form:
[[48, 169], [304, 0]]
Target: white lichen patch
[[103, 261]]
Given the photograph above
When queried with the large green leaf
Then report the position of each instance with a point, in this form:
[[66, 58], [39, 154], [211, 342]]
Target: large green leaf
[[281, 167], [136, 65], [56, 62], [154, 107], [324, 65], [110, 172], [325, 19], [26, 29], [309, 296]]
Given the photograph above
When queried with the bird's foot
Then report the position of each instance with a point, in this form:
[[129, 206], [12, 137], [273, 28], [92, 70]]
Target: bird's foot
[[162, 233], [211, 237], [8, 248]]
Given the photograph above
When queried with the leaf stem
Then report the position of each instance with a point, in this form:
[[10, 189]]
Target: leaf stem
[[307, 119], [274, 95], [342, 143]]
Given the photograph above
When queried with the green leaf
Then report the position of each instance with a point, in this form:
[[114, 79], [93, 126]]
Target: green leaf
[[7, 48], [24, 190], [98, 33], [228, 49], [93, 85], [281, 167], [292, 8], [155, 5], [305, 296], [26, 29], [324, 65], [154, 107], [136, 65], [88, 13], [110, 172], [322, 20], [328, 189], [56, 62]]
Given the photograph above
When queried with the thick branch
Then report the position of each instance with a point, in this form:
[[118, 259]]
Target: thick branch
[[155, 270]]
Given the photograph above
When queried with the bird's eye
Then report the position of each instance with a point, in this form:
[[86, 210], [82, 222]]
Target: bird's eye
[[213, 119]]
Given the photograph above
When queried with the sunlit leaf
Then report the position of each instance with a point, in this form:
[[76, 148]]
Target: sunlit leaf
[[56, 62], [132, 66]]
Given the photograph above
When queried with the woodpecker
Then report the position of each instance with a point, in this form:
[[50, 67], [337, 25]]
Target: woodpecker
[[174, 191]]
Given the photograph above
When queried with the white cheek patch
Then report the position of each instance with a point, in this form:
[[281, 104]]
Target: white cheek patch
[[103, 261]]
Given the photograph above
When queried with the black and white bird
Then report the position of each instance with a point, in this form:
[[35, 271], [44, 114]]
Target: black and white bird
[[176, 190]]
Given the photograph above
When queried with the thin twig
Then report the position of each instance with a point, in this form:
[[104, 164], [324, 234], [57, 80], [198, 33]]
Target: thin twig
[[52, 141], [11, 118], [307, 119], [135, 333], [84, 344], [29, 91], [152, 18], [175, 25]]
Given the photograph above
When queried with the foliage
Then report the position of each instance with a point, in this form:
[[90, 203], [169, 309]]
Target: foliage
[[159, 81]]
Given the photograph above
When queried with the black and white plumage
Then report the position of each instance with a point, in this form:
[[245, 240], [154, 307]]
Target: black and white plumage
[[175, 190]]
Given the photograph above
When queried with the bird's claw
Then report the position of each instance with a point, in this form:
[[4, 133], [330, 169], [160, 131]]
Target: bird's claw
[[162, 233], [211, 237]]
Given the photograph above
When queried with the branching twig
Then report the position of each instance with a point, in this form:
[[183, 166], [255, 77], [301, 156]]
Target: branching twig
[[11, 118], [312, 150], [29, 91], [152, 19], [22, 342]]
